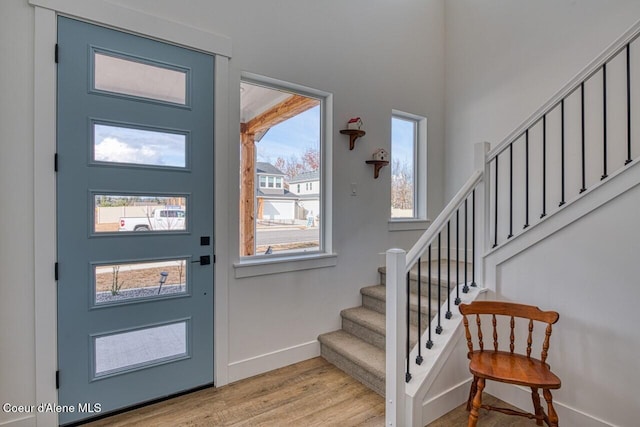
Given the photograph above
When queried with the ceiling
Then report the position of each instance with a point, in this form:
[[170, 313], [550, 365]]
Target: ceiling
[[255, 100]]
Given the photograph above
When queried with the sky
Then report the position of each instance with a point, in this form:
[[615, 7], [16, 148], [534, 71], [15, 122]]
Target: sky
[[402, 140], [139, 146], [291, 137]]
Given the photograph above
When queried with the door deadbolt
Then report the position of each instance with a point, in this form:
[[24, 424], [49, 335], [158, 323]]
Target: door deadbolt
[[204, 260]]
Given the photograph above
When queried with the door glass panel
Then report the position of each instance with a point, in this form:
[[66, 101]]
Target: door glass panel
[[143, 213], [128, 145], [128, 76], [116, 283], [139, 348]]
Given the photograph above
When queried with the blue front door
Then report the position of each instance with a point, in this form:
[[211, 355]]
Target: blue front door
[[135, 219]]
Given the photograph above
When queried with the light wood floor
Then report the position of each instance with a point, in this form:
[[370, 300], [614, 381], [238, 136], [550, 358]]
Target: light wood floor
[[310, 393], [460, 416]]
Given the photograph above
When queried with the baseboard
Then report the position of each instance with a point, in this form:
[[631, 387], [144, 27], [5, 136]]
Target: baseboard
[[269, 361], [29, 421], [521, 398], [445, 402]]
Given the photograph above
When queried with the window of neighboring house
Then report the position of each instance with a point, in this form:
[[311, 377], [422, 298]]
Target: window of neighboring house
[[263, 181], [284, 128], [408, 166], [298, 190]]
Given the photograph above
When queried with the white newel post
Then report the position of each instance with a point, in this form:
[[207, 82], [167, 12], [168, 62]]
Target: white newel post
[[396, 338], [483, 204]]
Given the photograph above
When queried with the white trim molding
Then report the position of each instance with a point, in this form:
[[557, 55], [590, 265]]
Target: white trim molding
[[104, 13], [276, 359]]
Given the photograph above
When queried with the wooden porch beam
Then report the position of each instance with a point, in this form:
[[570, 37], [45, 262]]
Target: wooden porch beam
[[247, 194], [285, 110]]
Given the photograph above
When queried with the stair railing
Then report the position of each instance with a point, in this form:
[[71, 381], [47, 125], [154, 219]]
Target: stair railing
[[591, 118], [457, 223], [586, 109]]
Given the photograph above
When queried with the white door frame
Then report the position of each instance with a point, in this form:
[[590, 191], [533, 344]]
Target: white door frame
[[103, 13]]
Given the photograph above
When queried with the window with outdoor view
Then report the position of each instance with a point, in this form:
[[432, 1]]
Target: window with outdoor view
[[408, 163], [281, 200]]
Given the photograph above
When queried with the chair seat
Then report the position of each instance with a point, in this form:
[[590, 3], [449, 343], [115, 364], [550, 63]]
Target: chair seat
[[513, 368]]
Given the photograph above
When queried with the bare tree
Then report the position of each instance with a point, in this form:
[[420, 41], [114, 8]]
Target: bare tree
[[401, 186], [311, 159], [295, 165]]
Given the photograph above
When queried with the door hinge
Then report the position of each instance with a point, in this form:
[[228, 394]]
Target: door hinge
[[55, 271], [55, 162], [55, 54], [214, 259], [57, 380]]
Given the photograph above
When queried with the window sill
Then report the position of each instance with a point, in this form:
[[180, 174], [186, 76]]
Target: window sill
[[408, 224], [263, 266]]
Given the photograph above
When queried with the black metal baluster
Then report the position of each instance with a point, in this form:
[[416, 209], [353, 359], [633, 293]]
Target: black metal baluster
[[429, 342], [604, 121], [419, 356], [510, 191], [495, 227], [473, 238], [562, 186], [584, 173], [448, 313], [629, 160], [407, 377], [562, 201], [465, 288], [526, 179], [544, 167], [439, 327], [457, 255]]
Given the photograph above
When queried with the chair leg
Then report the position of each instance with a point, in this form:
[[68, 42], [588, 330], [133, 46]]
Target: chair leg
[[477, 403], [472, 392], [536, 406], [553, 417]]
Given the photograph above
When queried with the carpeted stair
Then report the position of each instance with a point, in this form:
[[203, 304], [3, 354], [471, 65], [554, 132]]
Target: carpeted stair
[[358, 348]]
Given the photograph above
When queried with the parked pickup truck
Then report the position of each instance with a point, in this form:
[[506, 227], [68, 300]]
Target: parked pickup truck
[[159, 220]]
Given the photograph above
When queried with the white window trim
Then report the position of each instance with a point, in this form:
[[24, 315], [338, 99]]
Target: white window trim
[[258, 265], [420, 220]]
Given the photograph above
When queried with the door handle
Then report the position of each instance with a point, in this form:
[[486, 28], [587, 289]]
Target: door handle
[[204, 260]]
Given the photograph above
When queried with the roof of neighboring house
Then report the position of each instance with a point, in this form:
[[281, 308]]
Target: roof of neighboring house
[[312, 196], [306, 176], [267, 168], [286, 195]]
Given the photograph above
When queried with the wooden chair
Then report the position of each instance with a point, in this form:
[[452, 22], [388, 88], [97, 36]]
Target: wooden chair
[[508, 366]]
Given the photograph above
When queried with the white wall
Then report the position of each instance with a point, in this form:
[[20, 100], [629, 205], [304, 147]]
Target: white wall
[[505, 58], [588, 272], [373, 56], [17, 317]]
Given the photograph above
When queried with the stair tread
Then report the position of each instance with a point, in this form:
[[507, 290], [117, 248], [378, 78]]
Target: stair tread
[[372, 320], [380, 292], [366, 317], [368, 356]]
